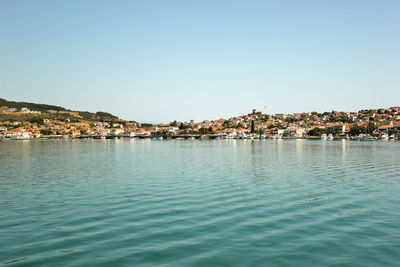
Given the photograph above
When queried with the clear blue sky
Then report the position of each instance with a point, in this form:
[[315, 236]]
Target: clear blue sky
[[157, 61]]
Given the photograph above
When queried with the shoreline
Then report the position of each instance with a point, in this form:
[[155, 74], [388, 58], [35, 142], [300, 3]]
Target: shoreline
[[200, 139]]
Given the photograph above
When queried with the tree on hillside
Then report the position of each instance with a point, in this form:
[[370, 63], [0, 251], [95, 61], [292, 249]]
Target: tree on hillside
[[252, 127], [46, 132], [317, 131], [356, 130], [371, 127], [37, 120]]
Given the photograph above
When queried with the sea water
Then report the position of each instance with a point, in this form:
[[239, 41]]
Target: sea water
[[199, 203]]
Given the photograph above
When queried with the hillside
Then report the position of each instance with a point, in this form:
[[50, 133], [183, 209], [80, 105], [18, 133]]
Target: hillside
[[12, 110]]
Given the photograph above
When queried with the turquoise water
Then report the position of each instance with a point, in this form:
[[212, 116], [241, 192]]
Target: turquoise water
[[199, 203]]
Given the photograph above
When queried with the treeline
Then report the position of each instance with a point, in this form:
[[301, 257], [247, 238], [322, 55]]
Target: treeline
[[31, 106], [61, 114], [354, 130]]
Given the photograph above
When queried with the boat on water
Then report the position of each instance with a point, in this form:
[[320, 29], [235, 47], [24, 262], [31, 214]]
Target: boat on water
[[330, 137], [277, 137], [365, 137], [245, 136], [20, 137], [385, 137], [324, 137], [216, 136]]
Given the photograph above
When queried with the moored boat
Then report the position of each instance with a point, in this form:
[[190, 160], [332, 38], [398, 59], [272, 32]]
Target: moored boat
[[365, 137]]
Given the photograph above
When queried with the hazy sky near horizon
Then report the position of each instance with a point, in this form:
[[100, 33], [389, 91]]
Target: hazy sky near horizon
[[157, 61]]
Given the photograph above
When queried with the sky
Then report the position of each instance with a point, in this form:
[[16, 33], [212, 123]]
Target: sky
[[159, 61]]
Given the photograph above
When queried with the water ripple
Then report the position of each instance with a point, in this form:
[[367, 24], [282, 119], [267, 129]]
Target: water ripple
[[195, 203]]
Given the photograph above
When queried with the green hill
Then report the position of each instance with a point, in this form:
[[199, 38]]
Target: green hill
[[31, 106], [49, 112]]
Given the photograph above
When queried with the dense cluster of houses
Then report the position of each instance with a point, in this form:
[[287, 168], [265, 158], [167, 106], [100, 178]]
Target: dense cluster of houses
[[376, 123]]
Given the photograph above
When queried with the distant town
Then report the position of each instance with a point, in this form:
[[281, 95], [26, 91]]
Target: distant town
[[22, 122]]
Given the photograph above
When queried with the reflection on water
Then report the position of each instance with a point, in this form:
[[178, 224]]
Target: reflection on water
[[197, 202]]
